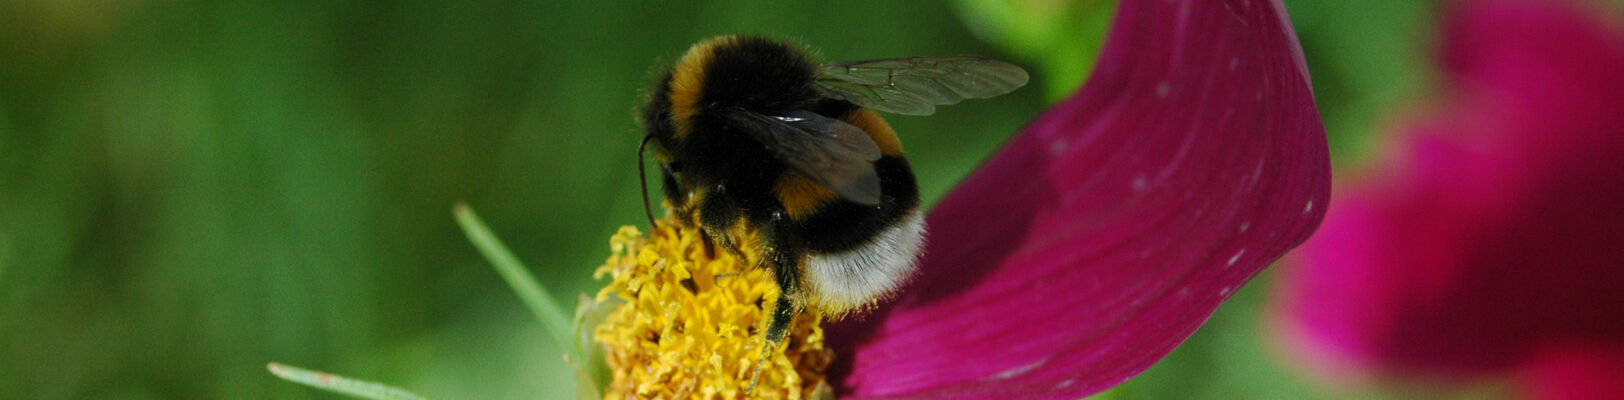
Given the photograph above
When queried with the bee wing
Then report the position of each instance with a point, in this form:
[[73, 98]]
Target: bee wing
[[915, 85], [833, 153]]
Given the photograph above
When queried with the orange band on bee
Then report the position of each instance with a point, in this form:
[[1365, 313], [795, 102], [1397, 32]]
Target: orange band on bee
[[801, 196], [877, 129], [688, 81]]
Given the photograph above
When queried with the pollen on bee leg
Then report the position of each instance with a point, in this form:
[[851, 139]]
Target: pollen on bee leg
[[681, 332]]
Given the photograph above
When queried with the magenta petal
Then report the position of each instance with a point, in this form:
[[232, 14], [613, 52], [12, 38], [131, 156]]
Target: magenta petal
[[1112, 227], [1570, 372], [1496, 231]]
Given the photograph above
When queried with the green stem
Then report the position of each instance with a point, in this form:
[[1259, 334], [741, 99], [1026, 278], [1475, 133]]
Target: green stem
[[514, 272]]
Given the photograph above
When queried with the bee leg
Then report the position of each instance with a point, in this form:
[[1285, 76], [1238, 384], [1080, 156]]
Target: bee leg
[[710, 246], [783, 259], [716, 215], [727, 241], [785, 309], [731, 244], [715, 237]]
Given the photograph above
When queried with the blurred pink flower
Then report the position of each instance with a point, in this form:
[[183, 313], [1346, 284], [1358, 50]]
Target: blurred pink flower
[[1109, 229], [1490, 241]]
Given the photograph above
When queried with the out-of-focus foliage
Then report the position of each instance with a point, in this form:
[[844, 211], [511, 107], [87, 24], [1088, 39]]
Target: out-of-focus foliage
[[1371, 65], [1062, 38], [191, 189]]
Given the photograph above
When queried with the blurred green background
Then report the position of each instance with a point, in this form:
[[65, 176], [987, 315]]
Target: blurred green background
[[191, 189]]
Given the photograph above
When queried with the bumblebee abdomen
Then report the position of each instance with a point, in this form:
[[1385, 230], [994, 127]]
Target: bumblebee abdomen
[[801, 196], [833, 225], [844, 281], [855, 254]]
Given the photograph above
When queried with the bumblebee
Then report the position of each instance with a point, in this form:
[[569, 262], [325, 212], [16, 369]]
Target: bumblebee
[[756, 140]]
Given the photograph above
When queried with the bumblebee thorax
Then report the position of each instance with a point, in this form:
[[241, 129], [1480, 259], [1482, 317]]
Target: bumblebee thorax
[[744, 72]]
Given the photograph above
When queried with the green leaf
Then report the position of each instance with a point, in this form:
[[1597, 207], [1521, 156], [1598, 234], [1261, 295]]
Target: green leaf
[[340, 384], [524, 284]]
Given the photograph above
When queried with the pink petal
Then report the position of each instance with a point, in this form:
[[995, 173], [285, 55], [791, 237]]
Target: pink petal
[[1574, 372], [1495, 232], [1112, 227]]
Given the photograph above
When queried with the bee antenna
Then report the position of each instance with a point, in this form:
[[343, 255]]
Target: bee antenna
[[642, 179]]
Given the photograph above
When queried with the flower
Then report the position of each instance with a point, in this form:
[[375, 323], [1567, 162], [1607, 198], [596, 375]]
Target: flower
[[690, 325], [1488, 242], [1109, 229]]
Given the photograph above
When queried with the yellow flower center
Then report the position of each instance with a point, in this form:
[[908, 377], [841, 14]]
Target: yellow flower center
[[691, 325]]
